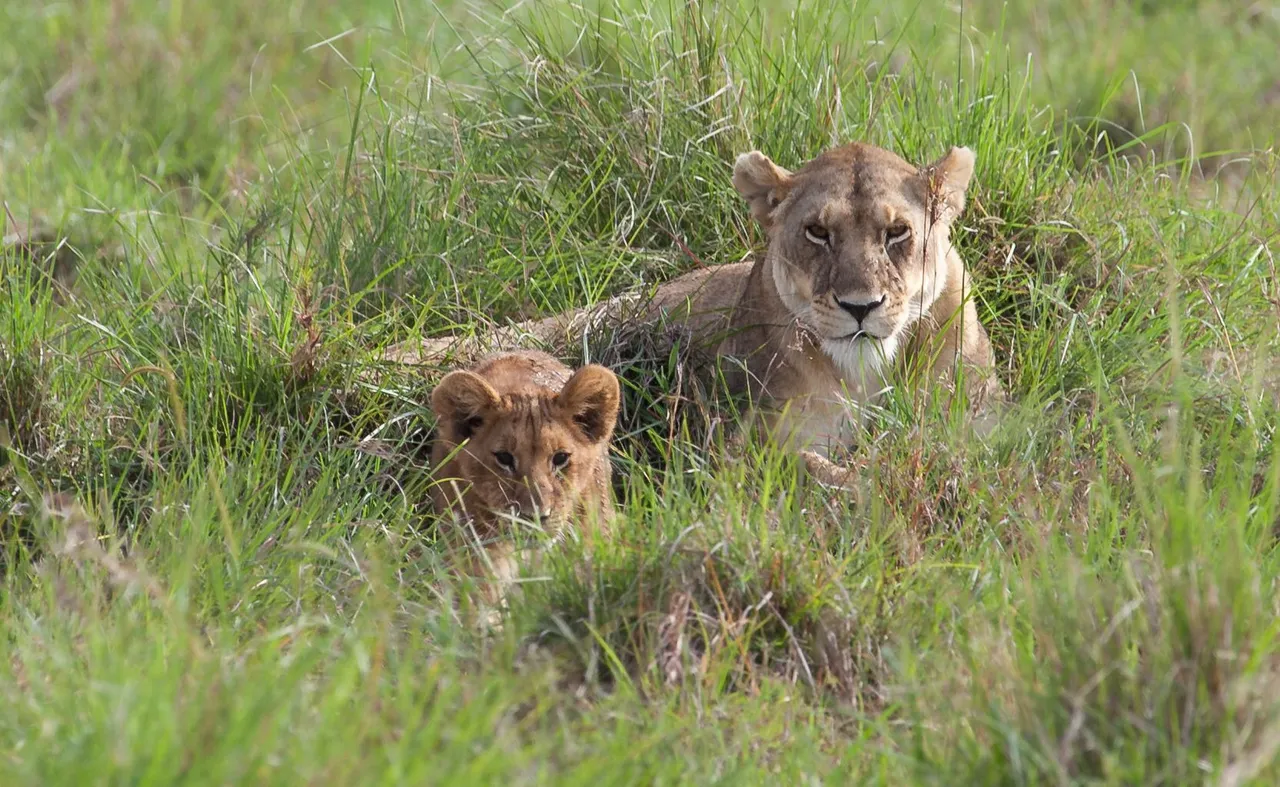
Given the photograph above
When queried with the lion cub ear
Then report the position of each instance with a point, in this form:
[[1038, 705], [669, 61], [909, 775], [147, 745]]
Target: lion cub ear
[[590, 399], [762, 184], [461, 402], [949, 178]]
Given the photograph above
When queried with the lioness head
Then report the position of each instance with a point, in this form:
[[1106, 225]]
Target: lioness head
[[527, 450], [858, 241]]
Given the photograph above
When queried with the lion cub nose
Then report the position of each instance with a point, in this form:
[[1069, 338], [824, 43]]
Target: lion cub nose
[[859, 311]]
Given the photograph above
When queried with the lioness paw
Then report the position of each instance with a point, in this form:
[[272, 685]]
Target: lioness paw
[[828, 473]]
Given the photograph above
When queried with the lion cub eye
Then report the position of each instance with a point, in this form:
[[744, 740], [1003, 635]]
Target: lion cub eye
[[817, 234], [898, 233], [505, 460], [560, 460]]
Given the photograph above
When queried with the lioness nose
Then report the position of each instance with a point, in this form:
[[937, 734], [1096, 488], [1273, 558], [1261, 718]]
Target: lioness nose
[[859, 311]]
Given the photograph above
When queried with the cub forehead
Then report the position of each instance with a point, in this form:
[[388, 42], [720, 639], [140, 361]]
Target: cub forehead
[[532, 422], [527, 372]]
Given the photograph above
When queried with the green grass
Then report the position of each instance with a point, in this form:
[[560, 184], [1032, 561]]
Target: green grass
[[217, 567]]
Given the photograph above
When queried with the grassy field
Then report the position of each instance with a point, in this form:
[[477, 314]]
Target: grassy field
[[217, 567]]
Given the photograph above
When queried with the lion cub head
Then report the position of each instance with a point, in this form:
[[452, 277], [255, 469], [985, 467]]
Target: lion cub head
[[858, 241], [519, 436]]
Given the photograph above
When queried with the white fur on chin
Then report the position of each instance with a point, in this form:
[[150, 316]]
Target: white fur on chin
[[862, 361]]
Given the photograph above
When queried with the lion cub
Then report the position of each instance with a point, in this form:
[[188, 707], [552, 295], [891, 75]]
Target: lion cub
[[521, 439]]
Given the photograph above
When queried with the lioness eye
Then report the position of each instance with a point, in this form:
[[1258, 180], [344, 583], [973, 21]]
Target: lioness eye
[[505, 459], [560, 459], [896, 234], [817, 234]]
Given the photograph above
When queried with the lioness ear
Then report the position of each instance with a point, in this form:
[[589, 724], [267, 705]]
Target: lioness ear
[[761, 183], [948, 179], [591, 399], [461, 402]]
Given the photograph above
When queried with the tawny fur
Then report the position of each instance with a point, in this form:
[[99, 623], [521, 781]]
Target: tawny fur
[[522, 440]]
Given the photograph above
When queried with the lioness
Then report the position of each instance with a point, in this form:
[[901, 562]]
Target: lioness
[[520, 438], [859, 274]]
